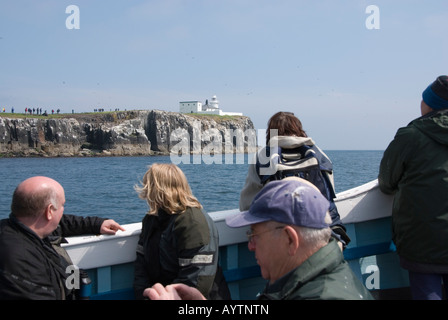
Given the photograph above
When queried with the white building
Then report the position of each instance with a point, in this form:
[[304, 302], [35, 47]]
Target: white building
[[190, 107], [211, 107]]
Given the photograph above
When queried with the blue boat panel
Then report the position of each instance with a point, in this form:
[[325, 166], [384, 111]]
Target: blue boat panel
[[122, 276], [371, 232], [371, 255], [238, 274], [250, 288], [241, 271], [104, 279], [116, 278], [123, 294], [380, 272], [368, 250]]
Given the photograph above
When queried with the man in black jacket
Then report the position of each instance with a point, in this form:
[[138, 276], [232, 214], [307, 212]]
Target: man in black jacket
[[30, 267]]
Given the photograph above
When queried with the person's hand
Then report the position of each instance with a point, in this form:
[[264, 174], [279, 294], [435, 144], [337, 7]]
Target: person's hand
[[177, 291], [341, 246], [109, 226]]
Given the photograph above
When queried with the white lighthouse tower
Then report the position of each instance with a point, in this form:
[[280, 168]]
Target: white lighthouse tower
[[214, 104]]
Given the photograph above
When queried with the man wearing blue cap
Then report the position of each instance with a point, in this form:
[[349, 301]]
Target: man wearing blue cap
[[291, 238], [415, 169]]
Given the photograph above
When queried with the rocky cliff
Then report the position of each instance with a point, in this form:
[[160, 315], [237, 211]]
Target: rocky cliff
[[128, 133]]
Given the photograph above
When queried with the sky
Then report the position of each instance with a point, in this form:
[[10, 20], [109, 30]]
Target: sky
[[353, 76]]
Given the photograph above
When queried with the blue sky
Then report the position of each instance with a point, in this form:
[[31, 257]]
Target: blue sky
[[352, 87]]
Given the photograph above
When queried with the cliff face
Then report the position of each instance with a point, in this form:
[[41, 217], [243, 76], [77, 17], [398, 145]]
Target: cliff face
[[175, 132], [128, 133]]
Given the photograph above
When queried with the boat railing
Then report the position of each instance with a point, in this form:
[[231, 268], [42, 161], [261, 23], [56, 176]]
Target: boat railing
[[365, 212]]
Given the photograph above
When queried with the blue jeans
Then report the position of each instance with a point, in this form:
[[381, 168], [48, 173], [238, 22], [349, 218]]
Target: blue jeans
[[428, 286]]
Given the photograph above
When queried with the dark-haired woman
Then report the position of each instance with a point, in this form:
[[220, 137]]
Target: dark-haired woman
[[286, 139]]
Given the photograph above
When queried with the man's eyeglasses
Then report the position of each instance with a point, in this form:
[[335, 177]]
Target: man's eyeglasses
[[250, 234]]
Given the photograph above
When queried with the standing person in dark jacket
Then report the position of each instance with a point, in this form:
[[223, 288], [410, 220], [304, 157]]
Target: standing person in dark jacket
[[415, 169], [30, 267], [179, 241]]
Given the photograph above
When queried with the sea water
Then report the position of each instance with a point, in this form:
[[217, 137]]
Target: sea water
[[104, 186]]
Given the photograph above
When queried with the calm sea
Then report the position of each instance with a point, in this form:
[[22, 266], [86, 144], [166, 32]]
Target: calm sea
[[105, 186]]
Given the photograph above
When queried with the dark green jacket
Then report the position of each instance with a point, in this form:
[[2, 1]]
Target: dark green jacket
[[324, 276], [415, 168]]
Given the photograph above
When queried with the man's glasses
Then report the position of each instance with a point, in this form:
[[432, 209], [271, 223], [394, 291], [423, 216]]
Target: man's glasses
[[250, 234]]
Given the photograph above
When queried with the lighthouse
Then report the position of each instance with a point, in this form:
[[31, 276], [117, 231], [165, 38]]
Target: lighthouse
[[210, 107], [214, 104]]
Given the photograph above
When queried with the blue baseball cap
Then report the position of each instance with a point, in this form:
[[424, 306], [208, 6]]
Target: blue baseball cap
[[292, 201]]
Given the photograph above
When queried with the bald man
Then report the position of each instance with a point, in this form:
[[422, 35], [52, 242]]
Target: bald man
[[30, 267]]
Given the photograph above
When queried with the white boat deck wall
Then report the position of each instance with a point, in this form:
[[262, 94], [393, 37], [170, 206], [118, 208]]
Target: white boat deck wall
[[363, 203]]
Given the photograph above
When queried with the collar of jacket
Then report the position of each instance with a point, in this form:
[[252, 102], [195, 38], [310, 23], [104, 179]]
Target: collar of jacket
[[24, 229], [45, 243], [324, 260], [291, 141]]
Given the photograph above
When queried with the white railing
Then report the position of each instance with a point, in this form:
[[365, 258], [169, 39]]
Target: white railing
[[362, 203]]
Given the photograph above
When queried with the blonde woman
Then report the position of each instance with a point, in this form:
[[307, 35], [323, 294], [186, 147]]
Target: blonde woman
[[179, 241]]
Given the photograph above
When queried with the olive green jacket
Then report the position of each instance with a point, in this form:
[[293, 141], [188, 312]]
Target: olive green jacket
[[415, 169], [323, 276]]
